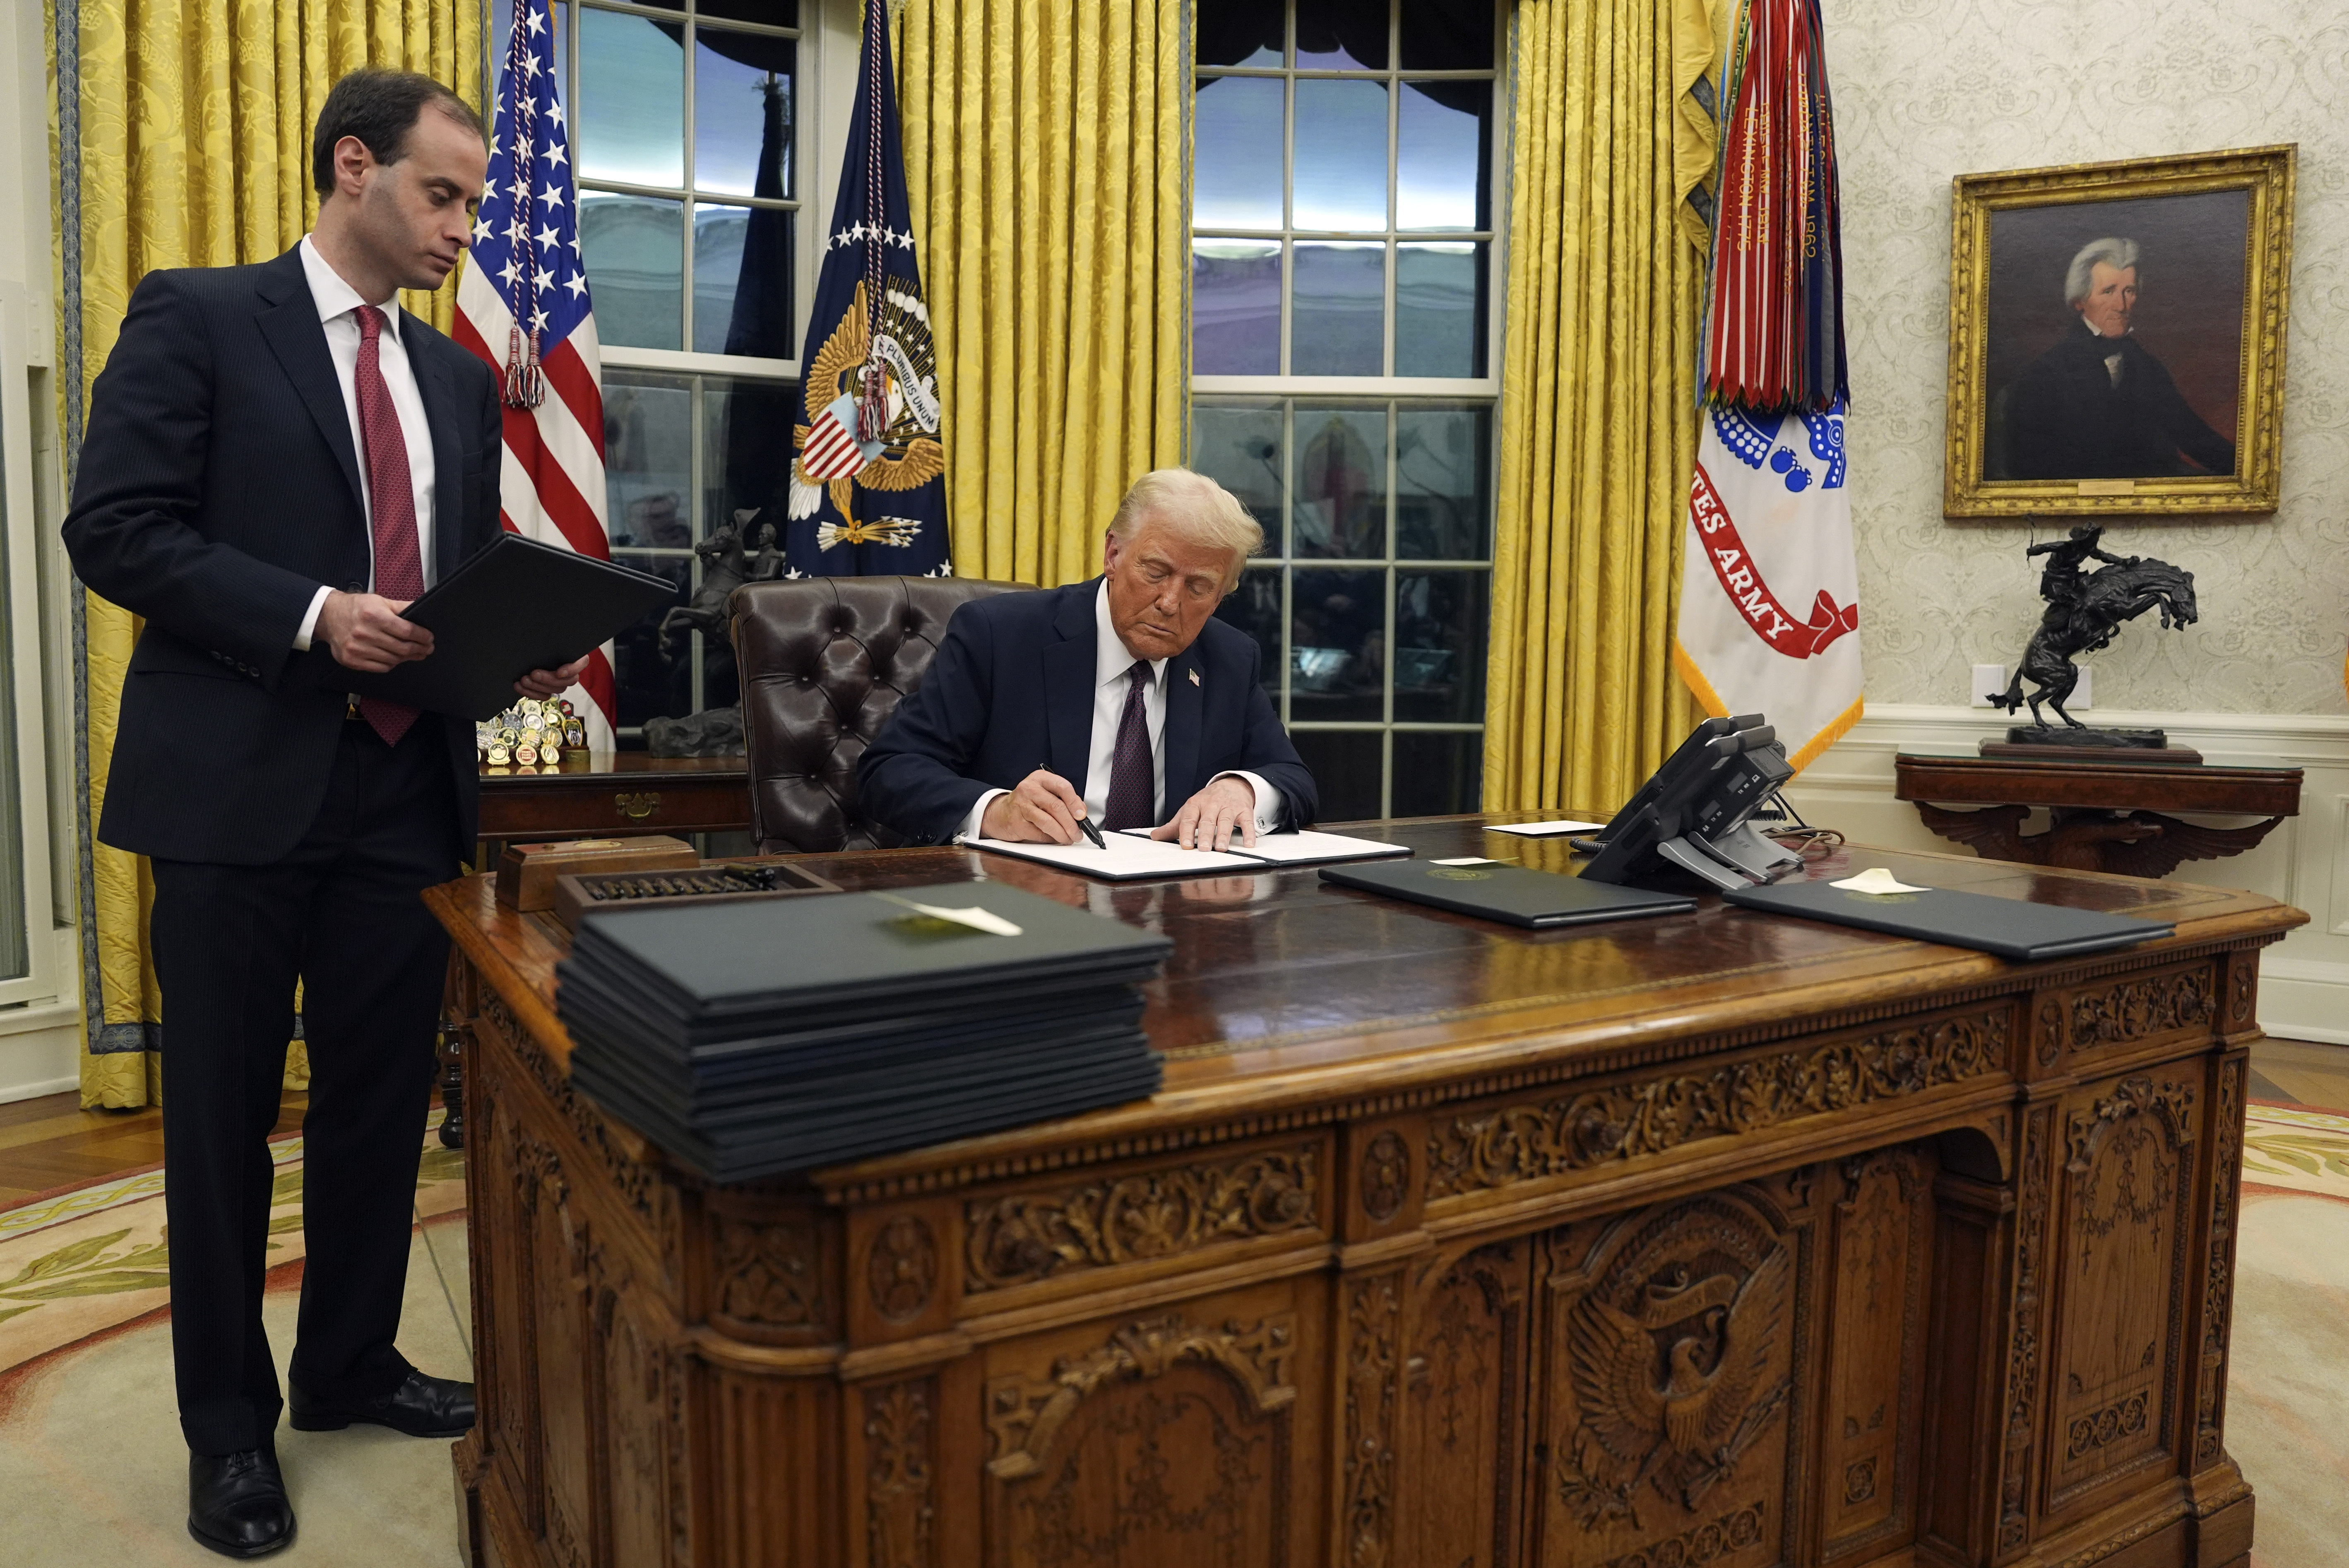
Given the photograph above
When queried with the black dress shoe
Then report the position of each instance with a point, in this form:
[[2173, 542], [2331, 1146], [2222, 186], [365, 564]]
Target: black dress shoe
[[421, 1406], [236, 1503]]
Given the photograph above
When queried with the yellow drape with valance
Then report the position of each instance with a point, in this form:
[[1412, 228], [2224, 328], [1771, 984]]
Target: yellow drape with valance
[[194, 150], [1044, 154], [1597, 424]]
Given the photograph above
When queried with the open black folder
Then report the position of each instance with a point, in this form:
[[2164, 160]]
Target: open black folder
[[514, 606]]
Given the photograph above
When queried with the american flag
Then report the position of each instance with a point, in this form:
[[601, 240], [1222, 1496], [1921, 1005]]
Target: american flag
[[523, 306]]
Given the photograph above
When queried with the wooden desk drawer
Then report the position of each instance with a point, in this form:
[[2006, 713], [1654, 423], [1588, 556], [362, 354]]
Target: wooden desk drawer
[[562, 808]]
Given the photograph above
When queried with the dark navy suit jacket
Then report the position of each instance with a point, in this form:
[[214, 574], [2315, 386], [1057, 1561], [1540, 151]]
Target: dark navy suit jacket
[[218, 489], [1011, 689]]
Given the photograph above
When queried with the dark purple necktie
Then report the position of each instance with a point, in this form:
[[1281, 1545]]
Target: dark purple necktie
[[1132, 793], [391, 489]]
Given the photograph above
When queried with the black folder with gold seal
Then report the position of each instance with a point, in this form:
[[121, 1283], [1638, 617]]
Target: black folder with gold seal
[[514, 606]]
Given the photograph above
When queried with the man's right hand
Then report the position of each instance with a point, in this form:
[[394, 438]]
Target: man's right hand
[[1043, 810], [365, 632]]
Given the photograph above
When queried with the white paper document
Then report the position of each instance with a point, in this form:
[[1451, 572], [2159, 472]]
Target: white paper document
[[1126, 859], [1542, 830], [1305, 848]]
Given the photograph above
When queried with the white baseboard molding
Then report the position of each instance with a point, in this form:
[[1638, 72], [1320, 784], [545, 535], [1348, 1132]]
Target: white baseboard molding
[[2303, 1001], [2304, 862], [40, 1052]]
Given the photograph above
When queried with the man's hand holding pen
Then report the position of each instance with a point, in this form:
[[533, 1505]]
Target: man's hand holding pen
[[1044, 809]]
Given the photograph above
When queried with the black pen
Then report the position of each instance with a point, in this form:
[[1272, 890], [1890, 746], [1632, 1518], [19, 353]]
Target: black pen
[[1084, 822]]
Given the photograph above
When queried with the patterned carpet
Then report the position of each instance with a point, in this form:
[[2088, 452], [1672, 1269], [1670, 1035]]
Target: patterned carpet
[[92, 1470], [92, 1473]]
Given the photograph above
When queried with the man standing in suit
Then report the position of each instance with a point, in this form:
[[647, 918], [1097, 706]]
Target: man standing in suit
[[277, 460], [1122, 699]]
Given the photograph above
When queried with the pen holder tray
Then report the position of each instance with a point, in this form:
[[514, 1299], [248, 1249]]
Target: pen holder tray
[[732, 882]]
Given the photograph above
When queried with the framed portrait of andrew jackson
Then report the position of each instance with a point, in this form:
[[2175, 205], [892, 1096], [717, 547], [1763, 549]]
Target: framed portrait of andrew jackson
[[2116, 337]]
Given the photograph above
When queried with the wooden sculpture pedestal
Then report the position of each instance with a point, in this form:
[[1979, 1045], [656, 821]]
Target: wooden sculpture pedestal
[[2106, 816], [1726, 1239]]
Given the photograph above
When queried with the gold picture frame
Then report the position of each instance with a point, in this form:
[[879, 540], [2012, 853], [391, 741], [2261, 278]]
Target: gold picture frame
[[2032, 430]]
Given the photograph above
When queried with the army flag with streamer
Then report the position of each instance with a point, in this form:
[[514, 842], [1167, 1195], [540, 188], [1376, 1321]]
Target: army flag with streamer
[[867, 492], [1769, 610]]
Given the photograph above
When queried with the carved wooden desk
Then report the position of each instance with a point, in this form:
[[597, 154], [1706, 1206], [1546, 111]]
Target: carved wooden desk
[[1729, 1239], [2104, 817]]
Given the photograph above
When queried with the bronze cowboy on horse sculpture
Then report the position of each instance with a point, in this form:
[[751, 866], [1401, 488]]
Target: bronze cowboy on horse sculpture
[[2084, 610]]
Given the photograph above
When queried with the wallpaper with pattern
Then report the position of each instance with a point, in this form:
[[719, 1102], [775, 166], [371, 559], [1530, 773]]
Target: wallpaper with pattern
[[1927, 90]]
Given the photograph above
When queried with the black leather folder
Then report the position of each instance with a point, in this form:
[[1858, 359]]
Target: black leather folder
[[513, 607], [855, 955], [1509, 893], [2008, 927]]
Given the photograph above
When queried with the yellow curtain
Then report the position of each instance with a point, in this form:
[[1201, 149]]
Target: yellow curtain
[[1597, 422], [194, 150], [1044, 154]]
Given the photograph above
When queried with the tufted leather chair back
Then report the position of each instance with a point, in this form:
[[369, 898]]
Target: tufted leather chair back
[[824, 661]]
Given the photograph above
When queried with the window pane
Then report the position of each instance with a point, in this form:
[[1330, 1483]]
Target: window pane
[[742, 113], [1337, 307], [651, 683], [746, 454], [635, 248], [773, 13], [1238, 446], [1345, 768], [1235, 307], [1443, 504], [1337, 643], [1448, 35], [742, 281], [1441, 153], [1437, 773], [1238, 33], [1236, 171], [1340, 173], [1439, 658], [1341, 482], [630, 117], [1341, 35], [1439, 309], [648, 459], [1255, 608]]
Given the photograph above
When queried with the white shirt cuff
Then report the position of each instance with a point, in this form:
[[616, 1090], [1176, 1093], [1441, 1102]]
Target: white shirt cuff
[[310, 621], [971, 823], [1267, 799]]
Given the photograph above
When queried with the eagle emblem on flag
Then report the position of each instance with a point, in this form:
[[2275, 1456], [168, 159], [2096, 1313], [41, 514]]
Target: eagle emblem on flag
[[867, 492]]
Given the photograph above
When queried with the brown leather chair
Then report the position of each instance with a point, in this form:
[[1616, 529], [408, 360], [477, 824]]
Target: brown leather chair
[[824, 661]]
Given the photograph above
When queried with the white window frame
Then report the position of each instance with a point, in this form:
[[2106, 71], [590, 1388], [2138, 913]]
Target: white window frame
[[1397, 393]]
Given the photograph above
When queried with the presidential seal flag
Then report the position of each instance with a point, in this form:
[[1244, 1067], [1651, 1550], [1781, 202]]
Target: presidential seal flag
[[867, 492], [1769, 610], [523, 306]]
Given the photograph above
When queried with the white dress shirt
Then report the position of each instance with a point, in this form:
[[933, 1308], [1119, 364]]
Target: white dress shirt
[[1112, 665], [338, 303]]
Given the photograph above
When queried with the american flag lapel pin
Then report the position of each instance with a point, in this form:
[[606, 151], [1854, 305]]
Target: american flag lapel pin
[[1195, 677]]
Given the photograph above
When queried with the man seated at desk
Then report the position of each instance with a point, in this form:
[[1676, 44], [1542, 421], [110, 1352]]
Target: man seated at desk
[[1121, 698]]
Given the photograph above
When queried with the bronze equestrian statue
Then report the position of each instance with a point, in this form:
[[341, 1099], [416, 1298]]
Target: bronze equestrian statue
[[2084, 610]]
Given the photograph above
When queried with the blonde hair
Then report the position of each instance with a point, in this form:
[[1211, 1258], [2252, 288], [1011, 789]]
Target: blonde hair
[[1192, 508]]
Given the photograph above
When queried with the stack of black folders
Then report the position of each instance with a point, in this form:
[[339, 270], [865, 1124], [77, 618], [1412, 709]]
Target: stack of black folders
[[751, 1038]]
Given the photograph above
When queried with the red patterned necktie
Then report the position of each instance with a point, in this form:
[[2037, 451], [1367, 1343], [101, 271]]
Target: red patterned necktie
[[1133, 792], [391, 487]]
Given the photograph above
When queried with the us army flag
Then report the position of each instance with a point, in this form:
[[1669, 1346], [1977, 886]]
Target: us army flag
[[1769, 614]]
